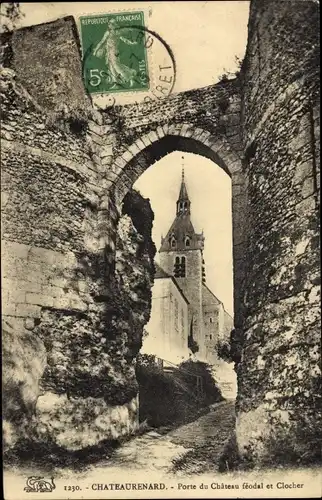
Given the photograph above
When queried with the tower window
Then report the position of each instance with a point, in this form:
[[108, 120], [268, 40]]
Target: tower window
[[183, 267], [210, 337], [187, 242], [179, 267], [211, 320], [173, 243]]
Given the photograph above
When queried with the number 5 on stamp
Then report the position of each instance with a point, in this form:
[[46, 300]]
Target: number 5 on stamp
[[114, 53]]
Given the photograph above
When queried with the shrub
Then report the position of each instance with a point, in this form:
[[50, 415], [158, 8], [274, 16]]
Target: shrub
[[189, 370], [223, 351], [298, 442], [230, 459], [168, 398], [158, 394]]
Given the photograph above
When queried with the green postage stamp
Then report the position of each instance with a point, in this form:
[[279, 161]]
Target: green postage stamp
[[114, 52]]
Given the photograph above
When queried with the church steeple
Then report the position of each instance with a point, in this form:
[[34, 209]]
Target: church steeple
[[181, 235], [183, 202]]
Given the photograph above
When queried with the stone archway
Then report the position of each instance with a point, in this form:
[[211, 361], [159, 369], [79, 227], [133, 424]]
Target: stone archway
[[151, 147], [156, 144]]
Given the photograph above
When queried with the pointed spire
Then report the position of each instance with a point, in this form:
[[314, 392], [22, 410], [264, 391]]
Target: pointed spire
[[181, 236], [183, 202]]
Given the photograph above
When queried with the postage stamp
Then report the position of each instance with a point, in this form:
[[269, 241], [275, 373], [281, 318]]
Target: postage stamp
[[114, 52]]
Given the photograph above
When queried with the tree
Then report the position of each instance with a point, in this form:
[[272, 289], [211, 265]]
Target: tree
[[223, 351]]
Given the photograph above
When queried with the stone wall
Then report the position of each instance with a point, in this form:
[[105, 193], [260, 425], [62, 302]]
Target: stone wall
[[63, 290], [47, 179], [279, 375], [89, 384], [49, 72], [168, 328], [218, 324], [214, 109]]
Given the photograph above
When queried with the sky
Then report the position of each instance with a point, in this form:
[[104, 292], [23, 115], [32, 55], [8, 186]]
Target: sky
[[205, 37], [207, 40]]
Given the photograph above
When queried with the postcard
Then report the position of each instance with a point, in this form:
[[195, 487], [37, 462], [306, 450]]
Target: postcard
[[160, 250]]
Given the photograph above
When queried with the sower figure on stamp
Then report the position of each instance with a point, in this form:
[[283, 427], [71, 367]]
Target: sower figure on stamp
[[107, 47]]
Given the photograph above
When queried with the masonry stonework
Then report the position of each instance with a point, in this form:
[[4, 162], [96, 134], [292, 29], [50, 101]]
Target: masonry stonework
[[71, 228], [57, 242], [279, 377], [191, 287]]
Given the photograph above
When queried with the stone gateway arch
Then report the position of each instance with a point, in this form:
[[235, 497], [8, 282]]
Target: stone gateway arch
[[72, 323]]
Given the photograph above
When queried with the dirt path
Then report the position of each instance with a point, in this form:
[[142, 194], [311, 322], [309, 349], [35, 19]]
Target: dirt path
[[194, 448], [207, 437], [185, 446]]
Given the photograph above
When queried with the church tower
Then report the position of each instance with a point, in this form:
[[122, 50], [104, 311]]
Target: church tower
[[181, 257]]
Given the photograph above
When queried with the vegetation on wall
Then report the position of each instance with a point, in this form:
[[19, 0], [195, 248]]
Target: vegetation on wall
[[69, 120], [223, 350], [22, 372], [230, 350], [10, 16], [87, 350], [192, 343]]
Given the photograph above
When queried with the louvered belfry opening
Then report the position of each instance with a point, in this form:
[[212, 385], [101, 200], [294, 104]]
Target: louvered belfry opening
[[179, 267]]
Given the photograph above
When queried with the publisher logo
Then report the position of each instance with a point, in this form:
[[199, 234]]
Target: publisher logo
[[37, 484]]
